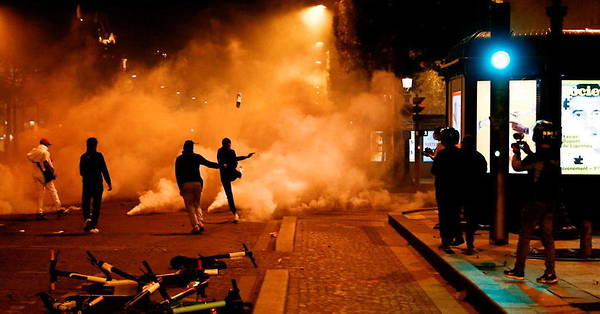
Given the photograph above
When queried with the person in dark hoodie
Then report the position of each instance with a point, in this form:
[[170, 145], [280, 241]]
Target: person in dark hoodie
[[92, 169], [228, 162], [446, 168], [189, 181], [474, 178]]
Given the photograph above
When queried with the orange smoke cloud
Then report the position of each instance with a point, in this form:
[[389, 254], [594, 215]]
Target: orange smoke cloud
[[309, 154]]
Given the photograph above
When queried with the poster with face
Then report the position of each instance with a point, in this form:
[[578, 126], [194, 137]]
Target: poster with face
[[580, 151]]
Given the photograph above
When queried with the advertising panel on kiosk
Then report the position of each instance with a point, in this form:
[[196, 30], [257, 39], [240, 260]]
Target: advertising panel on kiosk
[[522, 108], [456, 121], [428, 142], [580, 114], [483, 120]]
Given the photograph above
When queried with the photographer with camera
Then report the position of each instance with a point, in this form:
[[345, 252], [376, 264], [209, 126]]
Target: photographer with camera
[[543, 170], [437, 135]]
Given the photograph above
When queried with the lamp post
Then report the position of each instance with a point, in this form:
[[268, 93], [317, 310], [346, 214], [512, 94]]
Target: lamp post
[[407, 83]]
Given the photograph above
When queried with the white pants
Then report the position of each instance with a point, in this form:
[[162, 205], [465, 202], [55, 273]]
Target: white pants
[[42, 187], [191, 192]]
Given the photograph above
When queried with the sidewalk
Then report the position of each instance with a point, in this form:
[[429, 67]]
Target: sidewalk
[[357, 264], [482, 277]]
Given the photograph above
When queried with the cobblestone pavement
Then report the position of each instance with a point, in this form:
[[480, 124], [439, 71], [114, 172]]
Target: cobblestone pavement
[[341, 264]]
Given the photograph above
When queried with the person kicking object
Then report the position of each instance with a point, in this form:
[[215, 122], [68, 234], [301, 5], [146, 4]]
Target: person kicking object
[[228, 162]]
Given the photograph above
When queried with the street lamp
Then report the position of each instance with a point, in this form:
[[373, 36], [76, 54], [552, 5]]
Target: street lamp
[[315, 16], [415, 109], [407, 83]]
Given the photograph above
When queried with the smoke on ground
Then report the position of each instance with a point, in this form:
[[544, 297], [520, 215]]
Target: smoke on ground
[[311, 153]]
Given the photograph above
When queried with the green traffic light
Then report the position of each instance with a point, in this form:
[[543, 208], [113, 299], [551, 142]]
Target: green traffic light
[[500, 59]]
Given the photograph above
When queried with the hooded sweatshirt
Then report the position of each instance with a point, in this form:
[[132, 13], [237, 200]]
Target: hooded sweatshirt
[[92, 168], [39, 154], [187, 167]]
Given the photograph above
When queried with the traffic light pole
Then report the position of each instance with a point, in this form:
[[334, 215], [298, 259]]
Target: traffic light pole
[[499, 152], [418, 157], [417, 107], [499, 141]]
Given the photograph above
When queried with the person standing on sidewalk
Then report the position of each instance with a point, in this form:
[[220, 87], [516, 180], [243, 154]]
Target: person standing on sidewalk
[[92, 169], [437, 135], [44, 176], [189, 181], [474, 172], [228, 162], [543, 170], [446, 168]]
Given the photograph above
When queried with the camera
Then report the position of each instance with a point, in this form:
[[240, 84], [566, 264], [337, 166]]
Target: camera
[[520, 144], [428, 151]]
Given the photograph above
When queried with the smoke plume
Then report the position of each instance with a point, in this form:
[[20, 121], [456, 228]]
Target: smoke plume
[[311, 153]]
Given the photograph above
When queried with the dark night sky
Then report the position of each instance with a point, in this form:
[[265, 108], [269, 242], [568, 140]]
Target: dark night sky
[[386, 29]]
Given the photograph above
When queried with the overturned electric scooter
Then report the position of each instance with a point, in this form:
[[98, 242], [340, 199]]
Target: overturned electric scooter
[[107, 295], [210, 262]]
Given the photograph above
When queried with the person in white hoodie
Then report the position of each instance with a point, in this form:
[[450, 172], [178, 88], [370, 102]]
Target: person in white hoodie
[[43, 175]]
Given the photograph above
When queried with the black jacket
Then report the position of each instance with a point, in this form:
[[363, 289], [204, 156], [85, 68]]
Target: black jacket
[[543, 174], [448, 169], [92, 168], [226, 156], [187, 168], [475, 168]]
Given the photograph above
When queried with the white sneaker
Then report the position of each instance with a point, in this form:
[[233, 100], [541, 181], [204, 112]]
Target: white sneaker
[[86, 223], [236, 218], [94, 230]]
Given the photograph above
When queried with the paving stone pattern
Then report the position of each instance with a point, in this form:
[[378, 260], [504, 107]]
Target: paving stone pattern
[[343, 266]]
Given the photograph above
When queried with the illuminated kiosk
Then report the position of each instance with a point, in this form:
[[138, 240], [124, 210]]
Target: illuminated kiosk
[[565, 91]]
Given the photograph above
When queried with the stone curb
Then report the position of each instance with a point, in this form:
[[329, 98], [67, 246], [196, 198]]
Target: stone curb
[[273, 293], [480, 299]]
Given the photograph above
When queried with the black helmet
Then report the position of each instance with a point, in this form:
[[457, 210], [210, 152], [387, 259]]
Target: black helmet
[[450, 137], [544, 132]]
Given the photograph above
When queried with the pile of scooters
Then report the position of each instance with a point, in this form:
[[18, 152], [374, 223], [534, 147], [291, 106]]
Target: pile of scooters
[[133, 294]]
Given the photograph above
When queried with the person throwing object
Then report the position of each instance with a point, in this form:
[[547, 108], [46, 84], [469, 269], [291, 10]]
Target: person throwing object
[[228, 162]]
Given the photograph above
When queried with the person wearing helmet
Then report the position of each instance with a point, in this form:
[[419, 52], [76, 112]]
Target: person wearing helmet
[[190, 183], [446, 168], [44, 176], [543, 170]]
